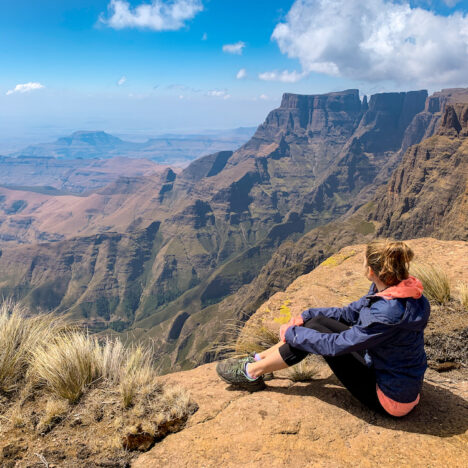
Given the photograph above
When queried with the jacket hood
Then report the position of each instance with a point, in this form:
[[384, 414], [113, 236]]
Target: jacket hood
[[405, 303], [408, 288]]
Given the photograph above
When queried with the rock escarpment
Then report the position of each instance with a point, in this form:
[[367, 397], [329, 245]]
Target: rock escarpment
[[428, 193]]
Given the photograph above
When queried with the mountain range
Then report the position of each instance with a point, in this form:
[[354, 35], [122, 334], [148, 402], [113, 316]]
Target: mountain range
[[174, 149], [174, 256]]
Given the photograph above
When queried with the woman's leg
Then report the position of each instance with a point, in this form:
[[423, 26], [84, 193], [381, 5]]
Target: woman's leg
[[350, 369], [272, 362], [281, 355], [271, 350]]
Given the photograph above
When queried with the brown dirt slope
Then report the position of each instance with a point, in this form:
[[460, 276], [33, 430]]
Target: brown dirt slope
[[318, 423]]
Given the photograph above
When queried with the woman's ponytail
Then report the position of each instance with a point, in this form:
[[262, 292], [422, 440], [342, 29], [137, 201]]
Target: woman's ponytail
[[389, 260]]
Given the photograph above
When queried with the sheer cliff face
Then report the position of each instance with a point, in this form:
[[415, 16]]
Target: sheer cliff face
[[206, 232], [428, 193]]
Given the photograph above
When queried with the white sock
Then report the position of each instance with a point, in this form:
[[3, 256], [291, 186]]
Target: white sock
[[247, 372]]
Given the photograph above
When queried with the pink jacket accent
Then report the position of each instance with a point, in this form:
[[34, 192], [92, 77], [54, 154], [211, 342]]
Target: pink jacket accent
[[410, 287], [395, 408]]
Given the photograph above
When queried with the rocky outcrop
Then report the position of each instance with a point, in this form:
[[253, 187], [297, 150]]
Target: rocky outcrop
[[315, 423], [318, 422]]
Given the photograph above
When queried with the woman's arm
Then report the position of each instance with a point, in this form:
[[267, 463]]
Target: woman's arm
[[348, 314], [357, 338]]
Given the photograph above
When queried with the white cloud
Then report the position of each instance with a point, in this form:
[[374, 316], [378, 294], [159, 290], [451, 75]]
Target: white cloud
[[25, 88], [263, 96], [451, 3], [285, 76], [159, 15], [122, 80], [204, 37], [242, 73], [236, 48], [376, 40], [221, 93]]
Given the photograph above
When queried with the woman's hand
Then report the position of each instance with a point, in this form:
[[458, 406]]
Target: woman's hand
[[295, 321]]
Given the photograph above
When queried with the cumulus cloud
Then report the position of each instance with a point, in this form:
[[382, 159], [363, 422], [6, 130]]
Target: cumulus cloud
[[242, 73], [122, 80], [236, 48], [25, 88], [159, 15], [285, 76], [376, 40], [221, 93]]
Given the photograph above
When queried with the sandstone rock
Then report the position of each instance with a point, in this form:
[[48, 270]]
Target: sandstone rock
[[319, 423], [311, 424]]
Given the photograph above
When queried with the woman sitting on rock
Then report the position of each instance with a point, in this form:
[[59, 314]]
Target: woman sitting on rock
[[375, 346]]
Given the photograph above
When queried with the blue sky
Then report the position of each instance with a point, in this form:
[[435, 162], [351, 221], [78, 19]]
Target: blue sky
[[195, 64]]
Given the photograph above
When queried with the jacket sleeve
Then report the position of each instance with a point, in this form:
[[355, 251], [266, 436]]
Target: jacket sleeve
[[356, 338], [348, 314]]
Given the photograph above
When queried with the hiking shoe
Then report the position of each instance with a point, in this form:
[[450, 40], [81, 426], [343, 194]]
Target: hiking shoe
[[232, 371], [266, 377]]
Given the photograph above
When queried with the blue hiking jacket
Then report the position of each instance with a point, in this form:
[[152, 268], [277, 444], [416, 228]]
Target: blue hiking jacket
[[390, 331]]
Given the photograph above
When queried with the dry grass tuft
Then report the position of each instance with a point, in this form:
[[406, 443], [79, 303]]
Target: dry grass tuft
[[112, 389], [110, 358], [137, 373], [435, 282], [67, 364], [302, 372], [174, 402], [19, 336], [240, 339], [463, 294]]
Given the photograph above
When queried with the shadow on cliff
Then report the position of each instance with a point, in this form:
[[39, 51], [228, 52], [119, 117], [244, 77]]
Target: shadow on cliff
[[440, 413]]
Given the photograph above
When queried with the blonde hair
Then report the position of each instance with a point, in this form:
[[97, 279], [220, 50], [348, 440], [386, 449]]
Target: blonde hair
[[389, 260]]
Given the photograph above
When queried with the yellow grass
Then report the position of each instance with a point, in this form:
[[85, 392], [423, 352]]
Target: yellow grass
[[19, 336], [435, 282], [47, 366], [67, 364], [240, 339], [136, 373], [55, 411]]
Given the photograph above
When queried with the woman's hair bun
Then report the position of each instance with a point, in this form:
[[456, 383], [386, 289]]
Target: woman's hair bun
[[389, 260]]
